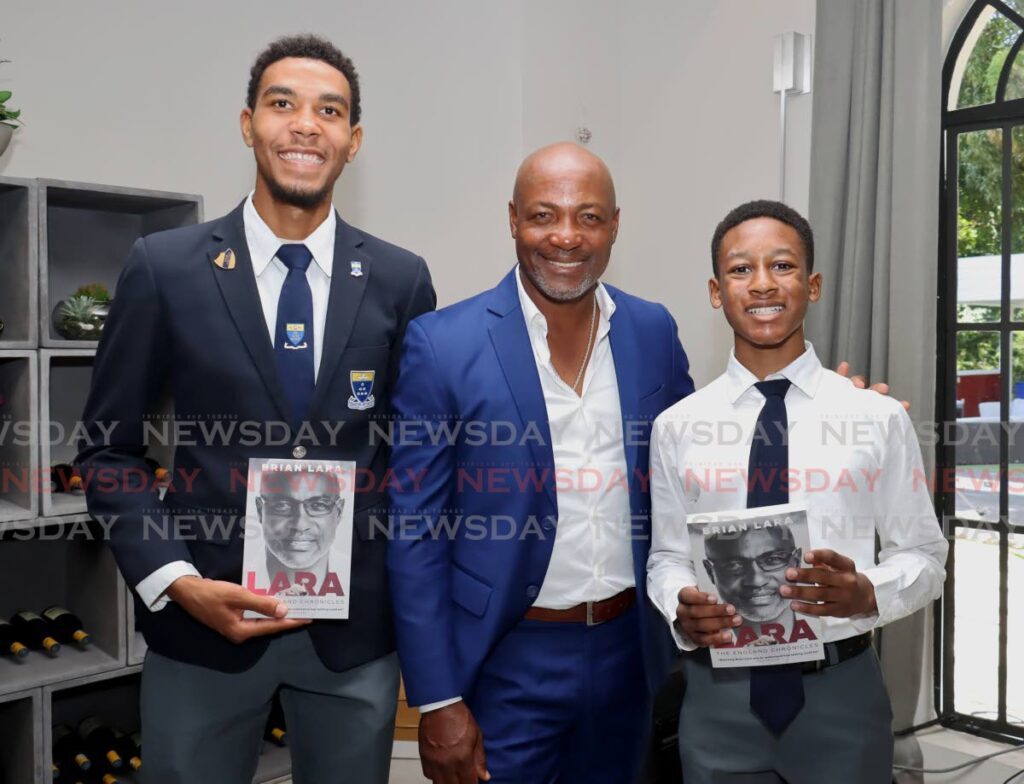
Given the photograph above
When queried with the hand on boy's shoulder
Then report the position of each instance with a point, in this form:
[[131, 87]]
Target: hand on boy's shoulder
[[861, 383]]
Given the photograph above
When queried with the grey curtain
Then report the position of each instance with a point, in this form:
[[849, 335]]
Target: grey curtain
[[874, 196]]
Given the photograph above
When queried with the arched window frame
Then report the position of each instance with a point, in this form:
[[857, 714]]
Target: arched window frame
[[1005, 115]]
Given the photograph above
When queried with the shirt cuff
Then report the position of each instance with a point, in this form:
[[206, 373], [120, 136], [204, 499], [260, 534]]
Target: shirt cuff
[[886, 585], [667, 604], [433, 706], [153, 589]]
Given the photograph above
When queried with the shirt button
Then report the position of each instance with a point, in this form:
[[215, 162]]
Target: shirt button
[[532, 591], [299, 452]]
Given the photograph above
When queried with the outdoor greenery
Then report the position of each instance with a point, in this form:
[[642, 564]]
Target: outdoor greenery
[[979, 187]]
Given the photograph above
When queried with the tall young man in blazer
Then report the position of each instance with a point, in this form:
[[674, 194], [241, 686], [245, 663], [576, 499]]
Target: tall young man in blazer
[[210, 314]]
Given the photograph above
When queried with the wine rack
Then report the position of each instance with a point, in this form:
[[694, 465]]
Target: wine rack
[[66, 564], [56, 236]]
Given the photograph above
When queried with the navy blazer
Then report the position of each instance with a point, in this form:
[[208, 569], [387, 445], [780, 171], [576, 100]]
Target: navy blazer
[[183, 326], [474, 519]]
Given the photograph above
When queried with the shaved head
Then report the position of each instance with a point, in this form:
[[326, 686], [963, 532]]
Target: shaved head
[[561, 159], [564, 221]]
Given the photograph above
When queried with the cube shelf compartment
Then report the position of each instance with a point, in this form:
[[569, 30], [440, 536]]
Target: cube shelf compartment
[[112, 696], [19, 263], [85, 233], [19, 439], [21, 719], [67, 565], [64, 378]]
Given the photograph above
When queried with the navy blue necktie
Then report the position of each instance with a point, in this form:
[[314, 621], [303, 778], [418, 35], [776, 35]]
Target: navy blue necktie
[[293, 337], [776, 693]]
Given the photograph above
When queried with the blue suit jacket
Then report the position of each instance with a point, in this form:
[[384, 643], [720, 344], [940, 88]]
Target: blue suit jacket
[[182, 326], [474, 516]]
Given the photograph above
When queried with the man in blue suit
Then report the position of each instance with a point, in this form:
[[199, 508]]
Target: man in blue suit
[[276, 318], [517, 563]]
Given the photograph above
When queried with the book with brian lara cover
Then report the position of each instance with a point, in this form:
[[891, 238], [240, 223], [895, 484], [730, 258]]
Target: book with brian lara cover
[[298, 535], [741, 556]]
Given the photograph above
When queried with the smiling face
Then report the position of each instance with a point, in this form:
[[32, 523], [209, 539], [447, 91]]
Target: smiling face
[[764, 287], [300, 514], [564, 221], [300, 131], [749, 568]]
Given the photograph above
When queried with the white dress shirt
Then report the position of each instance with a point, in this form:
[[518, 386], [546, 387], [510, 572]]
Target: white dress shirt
[[592, 556], [854, 462], [270, 273]]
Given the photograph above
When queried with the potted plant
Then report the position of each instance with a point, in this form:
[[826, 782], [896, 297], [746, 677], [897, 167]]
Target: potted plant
[[8, 118], [82, 315]]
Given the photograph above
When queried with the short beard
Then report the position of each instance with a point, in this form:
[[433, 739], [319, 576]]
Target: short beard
[[560, 295], [293, 197]]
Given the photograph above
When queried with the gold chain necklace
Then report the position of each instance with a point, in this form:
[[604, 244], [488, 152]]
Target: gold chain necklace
[[590, 345]]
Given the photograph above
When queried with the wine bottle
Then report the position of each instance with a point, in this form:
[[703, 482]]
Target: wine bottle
[[69, 749], [275, 730], [128, 749], [100, 741], [9, 641], [66, 626], [64, 478], [99, 777], [159, 472], [136, 738], [34, 631]]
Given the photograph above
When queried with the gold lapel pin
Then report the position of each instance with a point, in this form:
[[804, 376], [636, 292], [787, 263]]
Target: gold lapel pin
[[225, 259]]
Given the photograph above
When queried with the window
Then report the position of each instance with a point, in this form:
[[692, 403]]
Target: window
[[981, 374]]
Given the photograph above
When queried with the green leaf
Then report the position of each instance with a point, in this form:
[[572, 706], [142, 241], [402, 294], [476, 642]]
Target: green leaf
[[4, 95]]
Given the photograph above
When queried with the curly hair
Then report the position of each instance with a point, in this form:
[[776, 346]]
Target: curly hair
[[312, 47], [764, 208]]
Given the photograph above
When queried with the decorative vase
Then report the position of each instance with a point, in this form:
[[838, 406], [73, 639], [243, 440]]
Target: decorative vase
[[6, 132]]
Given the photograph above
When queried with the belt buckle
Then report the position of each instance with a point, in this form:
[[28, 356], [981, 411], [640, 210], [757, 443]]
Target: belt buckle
[[590, 615]]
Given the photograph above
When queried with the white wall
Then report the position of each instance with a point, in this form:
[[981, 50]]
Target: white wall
[[677, 95], [703, 131]]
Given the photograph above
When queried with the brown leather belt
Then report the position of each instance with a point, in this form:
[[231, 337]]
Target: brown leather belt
[[590, 613]]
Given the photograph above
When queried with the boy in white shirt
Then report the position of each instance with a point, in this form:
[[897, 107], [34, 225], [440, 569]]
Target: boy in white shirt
[[849, 456]]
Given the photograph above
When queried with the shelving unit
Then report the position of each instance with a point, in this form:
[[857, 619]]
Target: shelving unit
[[67, 565], [54, 237]]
